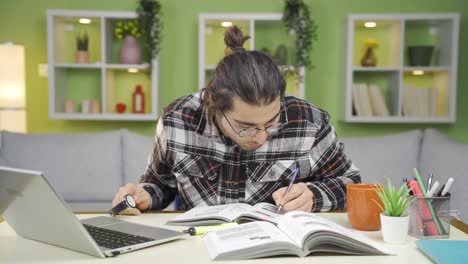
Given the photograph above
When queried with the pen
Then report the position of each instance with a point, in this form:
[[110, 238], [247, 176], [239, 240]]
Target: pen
[[291, 182], [433, 189], [200, 230], [439, 192], [429, 181], [405, 181], [447, 186]]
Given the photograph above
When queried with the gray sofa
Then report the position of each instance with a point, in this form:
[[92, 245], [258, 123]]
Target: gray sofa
[[87, 169]]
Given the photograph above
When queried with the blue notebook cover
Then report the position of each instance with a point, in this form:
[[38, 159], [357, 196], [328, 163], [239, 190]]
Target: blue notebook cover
[[445, 251]]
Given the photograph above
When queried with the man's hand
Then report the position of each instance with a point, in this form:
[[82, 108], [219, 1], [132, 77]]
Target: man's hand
[[140, 195], [299, 198]]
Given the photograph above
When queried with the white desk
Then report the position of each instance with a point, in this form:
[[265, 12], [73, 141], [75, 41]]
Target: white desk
[[14, 249]]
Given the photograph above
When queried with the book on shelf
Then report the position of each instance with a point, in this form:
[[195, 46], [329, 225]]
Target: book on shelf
[[297, 233], [361, 99], [419, 101], [225, 213], [377, 101]]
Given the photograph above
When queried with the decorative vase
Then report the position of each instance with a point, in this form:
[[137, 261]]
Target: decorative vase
[[130, 51], [138, 101], [394, 229], [82, 56], [369, 59], [420, 55]]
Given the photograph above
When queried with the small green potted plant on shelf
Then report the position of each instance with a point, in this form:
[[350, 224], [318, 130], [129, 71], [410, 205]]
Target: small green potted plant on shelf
[[82, 53], [394, 218]]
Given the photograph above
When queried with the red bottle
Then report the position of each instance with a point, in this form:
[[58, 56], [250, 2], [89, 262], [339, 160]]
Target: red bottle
[[138, 101]]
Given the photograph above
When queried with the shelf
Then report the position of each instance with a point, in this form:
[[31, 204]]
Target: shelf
[[429, 69], [398, 119], [210, 67], [388, 35], [423, 93], [104, 81], [105, 116], [267, 33], [78, 66], [376, 69], [120, 85], [67, 29], [436, 33], [144, 66]]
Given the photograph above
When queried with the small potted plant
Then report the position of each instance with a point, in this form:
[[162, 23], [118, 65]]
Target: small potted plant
[[82, 53], [394, 218]]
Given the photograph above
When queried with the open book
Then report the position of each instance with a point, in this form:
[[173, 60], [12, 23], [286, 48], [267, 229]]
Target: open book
[[218, 214], [297, 233]]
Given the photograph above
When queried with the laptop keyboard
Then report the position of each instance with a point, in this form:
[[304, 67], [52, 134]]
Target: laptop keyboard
[[114, 239]]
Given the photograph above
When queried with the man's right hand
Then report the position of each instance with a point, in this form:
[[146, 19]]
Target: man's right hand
[[140, 195]]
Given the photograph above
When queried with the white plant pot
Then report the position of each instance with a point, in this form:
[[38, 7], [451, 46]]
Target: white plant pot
[[394, 229]]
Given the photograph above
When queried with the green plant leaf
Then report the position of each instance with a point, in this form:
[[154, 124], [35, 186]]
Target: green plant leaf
[[395, 201]]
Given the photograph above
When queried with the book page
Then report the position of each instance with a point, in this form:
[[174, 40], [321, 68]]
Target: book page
[[301, 226], [208, 215], [249, 240], [263, 212]]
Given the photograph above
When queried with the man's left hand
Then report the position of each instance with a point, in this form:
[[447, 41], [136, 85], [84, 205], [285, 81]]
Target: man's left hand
[[299, 198]]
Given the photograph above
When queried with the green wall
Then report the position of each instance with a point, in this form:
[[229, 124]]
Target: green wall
[[24, 21]]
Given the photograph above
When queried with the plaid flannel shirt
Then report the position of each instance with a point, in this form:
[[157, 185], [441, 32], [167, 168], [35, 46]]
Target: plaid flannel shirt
[[207, 168]]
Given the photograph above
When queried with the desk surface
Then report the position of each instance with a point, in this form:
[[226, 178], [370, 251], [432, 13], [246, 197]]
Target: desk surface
[[16, 249]]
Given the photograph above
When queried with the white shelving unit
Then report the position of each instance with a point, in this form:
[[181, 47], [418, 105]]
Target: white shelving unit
[[103, 78], [431, 88], [265, 29]]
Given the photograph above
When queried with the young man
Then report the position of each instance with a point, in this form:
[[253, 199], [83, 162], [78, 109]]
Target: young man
[[241, 140]]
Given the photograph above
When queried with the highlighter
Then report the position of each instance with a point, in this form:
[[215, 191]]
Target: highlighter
[[200, 230]]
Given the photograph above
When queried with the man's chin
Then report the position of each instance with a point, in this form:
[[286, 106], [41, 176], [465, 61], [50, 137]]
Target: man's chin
[[250, 146]]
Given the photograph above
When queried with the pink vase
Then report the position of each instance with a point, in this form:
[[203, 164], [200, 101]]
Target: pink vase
[[130, 52]]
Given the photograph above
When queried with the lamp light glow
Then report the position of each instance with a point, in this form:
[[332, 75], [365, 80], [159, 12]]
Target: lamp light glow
[[12, 88], [418, 72], [226, 23], [370, 24], [84, 21]]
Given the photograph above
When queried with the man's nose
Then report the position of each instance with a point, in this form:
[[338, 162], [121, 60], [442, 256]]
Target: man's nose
[[261, 137]]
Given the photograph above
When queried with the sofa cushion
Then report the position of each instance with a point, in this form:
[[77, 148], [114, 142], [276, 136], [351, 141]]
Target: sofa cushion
[[136, 151], [447, 158], [377, 157], [85, 167]]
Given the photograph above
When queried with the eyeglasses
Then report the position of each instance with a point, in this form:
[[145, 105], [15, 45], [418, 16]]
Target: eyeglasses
[[252, 131]]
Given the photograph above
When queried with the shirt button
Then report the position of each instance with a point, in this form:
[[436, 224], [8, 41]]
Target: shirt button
[[194, 169], [236, 149], [341, 146], [271, 174]]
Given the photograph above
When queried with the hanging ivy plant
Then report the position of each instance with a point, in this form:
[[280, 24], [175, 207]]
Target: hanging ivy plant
[[296, 17], [149, 15]]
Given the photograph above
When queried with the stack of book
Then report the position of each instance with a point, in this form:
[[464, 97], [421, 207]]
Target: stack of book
[[419, 101], [368, 100]]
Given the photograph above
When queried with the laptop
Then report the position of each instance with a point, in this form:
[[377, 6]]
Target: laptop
[[36, 211]]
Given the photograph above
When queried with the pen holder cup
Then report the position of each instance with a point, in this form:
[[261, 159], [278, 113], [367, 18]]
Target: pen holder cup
[[430, 218]]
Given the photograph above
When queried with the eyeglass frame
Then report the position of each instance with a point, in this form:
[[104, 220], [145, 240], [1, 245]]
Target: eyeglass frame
[[281, 125]]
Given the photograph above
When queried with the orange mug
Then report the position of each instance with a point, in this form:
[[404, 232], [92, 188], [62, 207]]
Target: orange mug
[[363, 212]]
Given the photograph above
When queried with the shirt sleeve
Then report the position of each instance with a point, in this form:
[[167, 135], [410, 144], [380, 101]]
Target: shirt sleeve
[[332, 169], [158, 179]]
